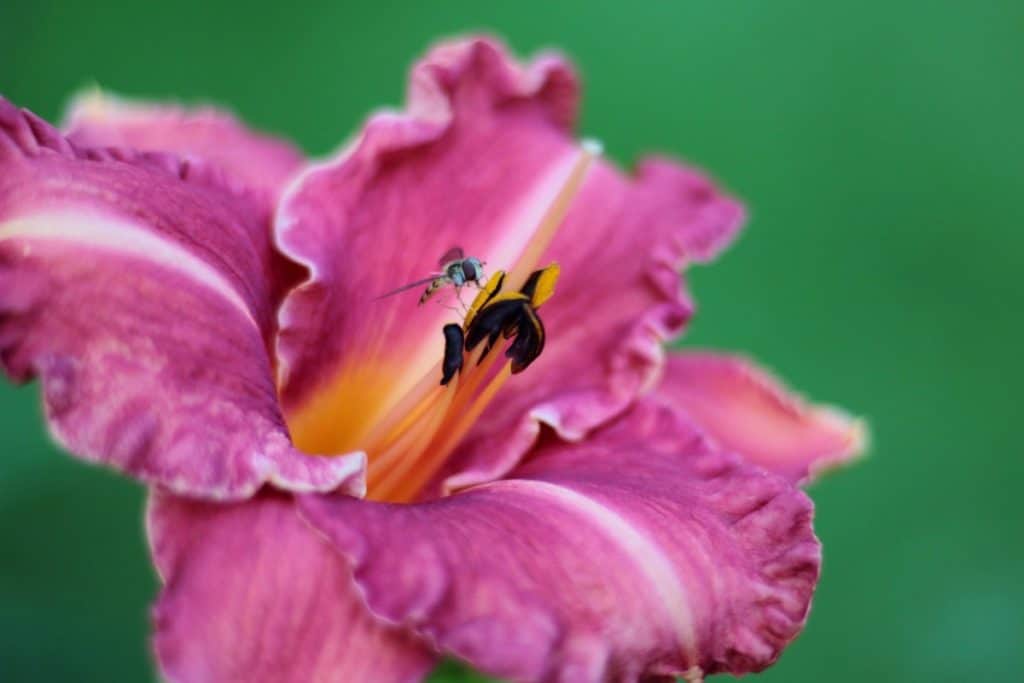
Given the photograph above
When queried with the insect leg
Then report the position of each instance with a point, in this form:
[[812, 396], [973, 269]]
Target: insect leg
[[458, 295], [442, 304]]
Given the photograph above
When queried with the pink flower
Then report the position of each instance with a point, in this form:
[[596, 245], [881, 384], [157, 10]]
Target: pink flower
[[202, 309]]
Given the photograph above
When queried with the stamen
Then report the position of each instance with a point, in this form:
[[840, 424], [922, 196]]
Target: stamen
[[409, 419], [424, 392], [407, 483], [389, 468], [466, 419], [479, 370]]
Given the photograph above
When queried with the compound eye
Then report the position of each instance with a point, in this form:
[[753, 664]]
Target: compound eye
[[470, 270]]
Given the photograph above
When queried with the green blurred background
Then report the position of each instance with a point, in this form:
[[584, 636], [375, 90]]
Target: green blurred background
[[879, 147]]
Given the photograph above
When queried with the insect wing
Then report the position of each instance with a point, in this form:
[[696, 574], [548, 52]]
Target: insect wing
[[453, 254], [417, 283]]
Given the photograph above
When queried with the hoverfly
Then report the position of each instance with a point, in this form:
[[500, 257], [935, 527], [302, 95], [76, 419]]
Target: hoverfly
[[457, 270]]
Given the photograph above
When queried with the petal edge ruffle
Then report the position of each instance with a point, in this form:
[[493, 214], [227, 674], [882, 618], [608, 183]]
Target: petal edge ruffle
[[641, 552], [100, 119]]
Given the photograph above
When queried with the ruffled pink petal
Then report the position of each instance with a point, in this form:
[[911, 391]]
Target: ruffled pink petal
[[746, 410], [640, 552], [96, 119], [474, 162], [253, 594], [136, 286], [618, 300]]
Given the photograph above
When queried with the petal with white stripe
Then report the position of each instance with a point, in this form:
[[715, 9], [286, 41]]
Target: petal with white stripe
[[138, 288], [640, 552]]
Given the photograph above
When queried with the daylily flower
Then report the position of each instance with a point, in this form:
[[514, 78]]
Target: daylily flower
[[201, 307]]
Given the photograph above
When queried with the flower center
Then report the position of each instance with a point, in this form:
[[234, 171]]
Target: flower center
[[409, 435]]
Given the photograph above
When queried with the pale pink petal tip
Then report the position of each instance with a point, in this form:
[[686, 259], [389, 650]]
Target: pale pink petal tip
[[746, 409], [99, 119]]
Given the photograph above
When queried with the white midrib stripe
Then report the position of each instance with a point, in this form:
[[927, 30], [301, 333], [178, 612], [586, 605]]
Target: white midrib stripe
[[122, 238], [645, 554]]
